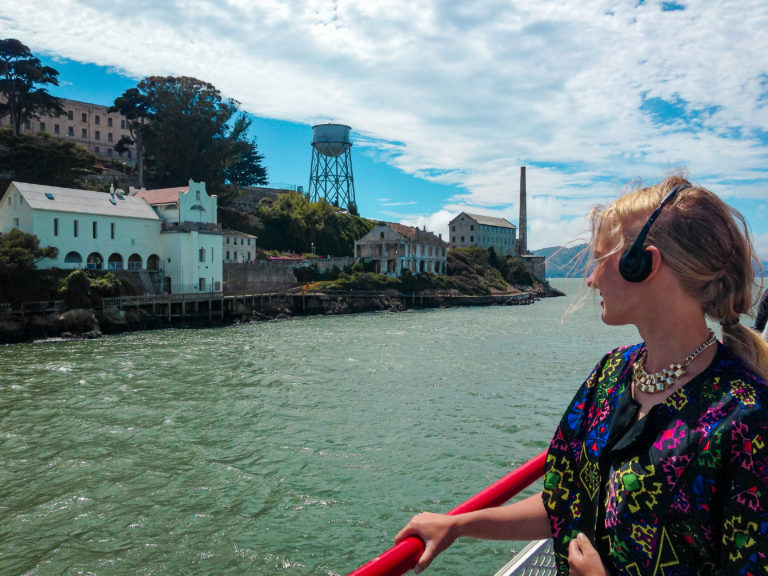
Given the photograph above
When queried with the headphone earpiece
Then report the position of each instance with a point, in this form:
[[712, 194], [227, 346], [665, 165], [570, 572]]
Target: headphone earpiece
[[636, 262]]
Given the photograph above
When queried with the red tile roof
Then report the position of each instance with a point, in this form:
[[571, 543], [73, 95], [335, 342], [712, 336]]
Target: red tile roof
[[162, 195]]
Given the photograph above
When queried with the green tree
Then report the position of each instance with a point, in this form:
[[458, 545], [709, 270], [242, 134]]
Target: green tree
[[43, 159], [20, 74], [190, 131], [20, 251], [76, 290], [294, 223], [134, 106]]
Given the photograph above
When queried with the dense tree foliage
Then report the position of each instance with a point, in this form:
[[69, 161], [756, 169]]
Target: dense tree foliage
[[43, 159], [21, 74], [85, 288], [185, 129], [294, 223], [19, 251]]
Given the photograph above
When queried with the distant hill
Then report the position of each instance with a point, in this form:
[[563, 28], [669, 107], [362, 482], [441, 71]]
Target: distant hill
[[563, 262]]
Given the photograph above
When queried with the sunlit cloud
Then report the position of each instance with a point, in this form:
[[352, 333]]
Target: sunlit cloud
[[590, 96]]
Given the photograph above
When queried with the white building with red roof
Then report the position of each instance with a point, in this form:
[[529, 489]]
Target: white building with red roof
[[190, 236], [170, 237]]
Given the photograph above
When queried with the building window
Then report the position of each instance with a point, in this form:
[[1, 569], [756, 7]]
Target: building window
[[122, 123], [70, 115], [71, 132], [95, 229], [471, 238], [76, 227], [109, 151], [462, 238], [97, 119], [15, 222], [55, 226], [472, 227], [227, 254], [56, 129], [42, 126], [227, 239], [109, 137], [97, 135], [112, 230], [97, 149], [85, 117], [109, 122], [202, 254], [84, 134]]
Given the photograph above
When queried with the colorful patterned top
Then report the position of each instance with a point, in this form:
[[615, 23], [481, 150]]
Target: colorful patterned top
[[682, 491]]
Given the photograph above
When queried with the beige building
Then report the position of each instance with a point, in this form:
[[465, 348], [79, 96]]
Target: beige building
[[395, 247], [483, 231], [90, 125]]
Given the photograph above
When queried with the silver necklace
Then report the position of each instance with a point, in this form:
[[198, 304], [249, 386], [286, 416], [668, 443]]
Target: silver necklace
[[668, 377]]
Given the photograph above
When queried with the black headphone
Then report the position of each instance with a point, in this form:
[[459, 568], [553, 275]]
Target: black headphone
[[636, 262]]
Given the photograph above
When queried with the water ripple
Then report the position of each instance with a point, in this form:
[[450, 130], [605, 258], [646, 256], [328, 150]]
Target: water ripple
[[294, 447]]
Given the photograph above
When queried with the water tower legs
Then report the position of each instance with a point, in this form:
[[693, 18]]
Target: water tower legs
[[331, 178]]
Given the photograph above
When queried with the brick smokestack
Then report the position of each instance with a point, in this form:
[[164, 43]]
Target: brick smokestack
[[522, 242]]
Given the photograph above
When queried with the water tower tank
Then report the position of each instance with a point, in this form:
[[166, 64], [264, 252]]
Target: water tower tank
[[331, 139]]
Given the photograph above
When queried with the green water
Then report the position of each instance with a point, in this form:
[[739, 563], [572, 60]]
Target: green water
[[287, 447]]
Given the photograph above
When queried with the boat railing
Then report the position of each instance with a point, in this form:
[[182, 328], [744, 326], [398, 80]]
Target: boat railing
[[403, 556]]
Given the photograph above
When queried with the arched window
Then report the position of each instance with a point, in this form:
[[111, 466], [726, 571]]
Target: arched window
[[134, 262], [153, 262], [73, 258], [115, 261], [95, 261]]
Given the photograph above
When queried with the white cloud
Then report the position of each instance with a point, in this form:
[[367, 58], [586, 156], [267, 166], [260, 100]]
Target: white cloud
[[464, 94]]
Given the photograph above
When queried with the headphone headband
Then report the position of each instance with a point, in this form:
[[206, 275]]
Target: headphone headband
[[635, 263]]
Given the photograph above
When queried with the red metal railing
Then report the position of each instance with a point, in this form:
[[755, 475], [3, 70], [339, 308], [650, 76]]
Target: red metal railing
[[404, 555]]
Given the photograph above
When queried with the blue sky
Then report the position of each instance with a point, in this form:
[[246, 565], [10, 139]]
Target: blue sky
[[447, 100]]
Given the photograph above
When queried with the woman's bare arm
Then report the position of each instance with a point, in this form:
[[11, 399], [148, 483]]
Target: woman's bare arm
[[523, 520]]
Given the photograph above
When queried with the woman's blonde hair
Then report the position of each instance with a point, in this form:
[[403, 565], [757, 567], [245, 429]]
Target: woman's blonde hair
[[705, 242]]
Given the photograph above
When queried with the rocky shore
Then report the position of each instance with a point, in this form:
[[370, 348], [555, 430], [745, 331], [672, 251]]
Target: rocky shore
[[93, 323]]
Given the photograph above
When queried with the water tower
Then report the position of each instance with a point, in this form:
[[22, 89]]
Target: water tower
[[330, 175]]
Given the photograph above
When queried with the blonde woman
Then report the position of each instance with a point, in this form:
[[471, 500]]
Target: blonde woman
[[660, 463]]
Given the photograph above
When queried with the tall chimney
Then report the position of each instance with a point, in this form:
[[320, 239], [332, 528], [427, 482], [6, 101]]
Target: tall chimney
[[522, 242]]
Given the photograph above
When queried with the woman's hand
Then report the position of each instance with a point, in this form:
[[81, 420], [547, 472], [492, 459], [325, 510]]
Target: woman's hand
[[435, 530], [583, 559]]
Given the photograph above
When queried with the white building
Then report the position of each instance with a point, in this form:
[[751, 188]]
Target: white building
[[395, 247], [238, 247], [179, 249], [483, 231], [190, 235]]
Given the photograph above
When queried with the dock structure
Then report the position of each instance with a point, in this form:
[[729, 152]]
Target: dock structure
[[216, 306]]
